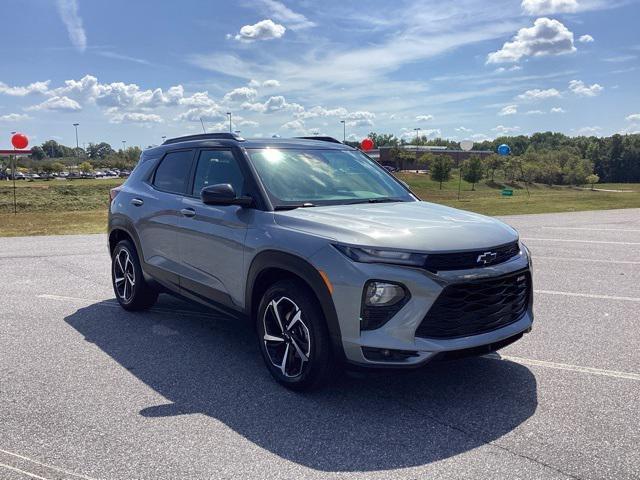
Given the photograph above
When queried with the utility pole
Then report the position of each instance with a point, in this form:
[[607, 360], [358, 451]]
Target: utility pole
[[417, 130], [124, 143], [344, 130], [230, 127], [77, 144]]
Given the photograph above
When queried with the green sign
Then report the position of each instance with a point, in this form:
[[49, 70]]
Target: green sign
[[507, 192]]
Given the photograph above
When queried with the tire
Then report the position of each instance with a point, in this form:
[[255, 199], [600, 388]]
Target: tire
[[131, 289], [307, 336]]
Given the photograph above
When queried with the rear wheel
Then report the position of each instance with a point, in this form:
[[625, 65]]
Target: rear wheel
[[129, 285], [293, 336]]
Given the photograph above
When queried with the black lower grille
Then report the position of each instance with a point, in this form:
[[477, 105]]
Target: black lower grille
[[477, 307], [473, 259]]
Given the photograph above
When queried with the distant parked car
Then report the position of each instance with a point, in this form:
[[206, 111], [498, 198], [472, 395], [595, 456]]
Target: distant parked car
[[74, 176], [124, 173]]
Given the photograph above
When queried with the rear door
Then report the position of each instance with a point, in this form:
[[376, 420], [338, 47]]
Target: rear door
[[212, 237], [160, 210]]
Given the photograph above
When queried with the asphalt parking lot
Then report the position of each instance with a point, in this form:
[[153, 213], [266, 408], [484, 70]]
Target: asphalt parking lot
[[89, 391]]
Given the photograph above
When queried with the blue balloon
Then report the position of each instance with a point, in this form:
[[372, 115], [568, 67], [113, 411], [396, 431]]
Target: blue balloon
[[504, 149]]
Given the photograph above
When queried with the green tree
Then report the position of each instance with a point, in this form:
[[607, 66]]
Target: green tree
[[37, 153], [492, 163], [99, 150], [472, 171], [441, 169], [85, 167], [592, 179], [57, 167]]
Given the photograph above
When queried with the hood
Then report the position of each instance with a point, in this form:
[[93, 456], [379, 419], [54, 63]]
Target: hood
[[416, 226]]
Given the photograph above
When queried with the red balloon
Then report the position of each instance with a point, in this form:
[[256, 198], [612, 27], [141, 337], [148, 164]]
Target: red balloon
[[366, 144], [19, 141]]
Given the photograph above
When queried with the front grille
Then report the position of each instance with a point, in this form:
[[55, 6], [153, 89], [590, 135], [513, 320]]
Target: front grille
[[475, 307], [463, 260]]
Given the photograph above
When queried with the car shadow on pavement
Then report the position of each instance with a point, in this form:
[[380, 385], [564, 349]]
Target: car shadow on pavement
[[209, 364]]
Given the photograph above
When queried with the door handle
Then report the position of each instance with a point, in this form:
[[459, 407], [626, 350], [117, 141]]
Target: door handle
[[137, 202], [188, 212]]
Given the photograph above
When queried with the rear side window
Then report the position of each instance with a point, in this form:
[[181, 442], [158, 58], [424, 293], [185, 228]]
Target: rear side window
[[171, 175]]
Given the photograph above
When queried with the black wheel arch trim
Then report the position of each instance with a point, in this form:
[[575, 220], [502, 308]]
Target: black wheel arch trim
[[306, 271]]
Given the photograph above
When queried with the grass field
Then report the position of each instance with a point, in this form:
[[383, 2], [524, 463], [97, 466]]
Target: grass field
[[80, 206]]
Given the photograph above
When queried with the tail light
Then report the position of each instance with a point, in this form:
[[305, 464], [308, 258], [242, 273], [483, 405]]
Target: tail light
[[113, 193]]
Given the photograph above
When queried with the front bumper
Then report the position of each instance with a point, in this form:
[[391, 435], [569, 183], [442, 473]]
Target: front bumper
[[398, 334]]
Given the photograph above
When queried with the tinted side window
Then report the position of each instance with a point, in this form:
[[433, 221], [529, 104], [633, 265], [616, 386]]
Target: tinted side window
[[218, 166], [171, 175]]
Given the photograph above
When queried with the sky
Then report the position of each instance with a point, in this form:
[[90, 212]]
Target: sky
[[136, 71]]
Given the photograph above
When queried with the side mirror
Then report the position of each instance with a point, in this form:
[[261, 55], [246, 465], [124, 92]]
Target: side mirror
[[223, 194]]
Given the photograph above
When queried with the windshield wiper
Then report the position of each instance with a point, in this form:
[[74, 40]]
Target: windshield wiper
[[378, 200], [294, 206]]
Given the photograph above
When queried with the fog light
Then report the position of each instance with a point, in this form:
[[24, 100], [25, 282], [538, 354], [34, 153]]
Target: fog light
[[383, 294]]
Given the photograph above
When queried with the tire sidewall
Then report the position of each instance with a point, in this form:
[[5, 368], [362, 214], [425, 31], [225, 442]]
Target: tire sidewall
[[133, 256], [320, 354]]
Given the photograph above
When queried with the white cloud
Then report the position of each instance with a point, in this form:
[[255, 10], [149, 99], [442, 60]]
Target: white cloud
[[541, 7], [297, 125], [14, 117], [502, 130], [207, 114], [557, 110], [360, 119], [580, 88], [68, 10], [271, 83], [248, 123], [136, 117], [546, 37], [537, 94], [634, 117], [319, 111], [479, 137], [242, 94], [463, 130], [273, 104], [585, 39], [36, 87], [59, 104], [512, 68], [282, 13], [198, 99], [508, 110], [263, 30], [534, 112], [424, 118], [588, 130], [410, 134], [620, 58]]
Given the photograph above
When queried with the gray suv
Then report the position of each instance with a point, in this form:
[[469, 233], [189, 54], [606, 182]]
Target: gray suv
[[332, 258]]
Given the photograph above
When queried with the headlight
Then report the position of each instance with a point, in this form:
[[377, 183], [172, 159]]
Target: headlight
[[380, 302], [377, 255], [382, 294]]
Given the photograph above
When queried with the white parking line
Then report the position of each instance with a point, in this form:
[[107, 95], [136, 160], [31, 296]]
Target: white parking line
[[43, 465], [573, 368], [595, 229], [587, 295], [28, 474], [569, 259], [529, 239]]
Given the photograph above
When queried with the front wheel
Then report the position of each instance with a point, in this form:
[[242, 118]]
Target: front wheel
[[293, 336], [129, 285]]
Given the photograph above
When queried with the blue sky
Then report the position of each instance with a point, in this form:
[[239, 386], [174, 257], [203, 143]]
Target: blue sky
[[469, 69]]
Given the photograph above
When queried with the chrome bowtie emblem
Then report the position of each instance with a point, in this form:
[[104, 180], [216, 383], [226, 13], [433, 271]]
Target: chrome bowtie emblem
[[486, 258]]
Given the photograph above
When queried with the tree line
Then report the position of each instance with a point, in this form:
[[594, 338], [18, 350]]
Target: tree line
[[545, 157]]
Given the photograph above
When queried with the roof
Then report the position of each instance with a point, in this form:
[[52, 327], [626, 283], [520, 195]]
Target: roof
[[230, 139]]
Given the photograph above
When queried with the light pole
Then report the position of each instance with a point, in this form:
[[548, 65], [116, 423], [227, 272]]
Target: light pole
[[230, 128], [77, 144], [344, 130], [124, 143], [417, 130]]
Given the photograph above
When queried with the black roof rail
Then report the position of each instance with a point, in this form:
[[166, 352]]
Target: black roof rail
[[321, 139], [205, 136]]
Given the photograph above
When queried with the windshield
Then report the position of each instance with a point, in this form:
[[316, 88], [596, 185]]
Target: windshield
[[296, 177]]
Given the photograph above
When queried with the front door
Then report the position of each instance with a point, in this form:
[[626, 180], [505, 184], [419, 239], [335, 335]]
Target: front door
[[211, 238]]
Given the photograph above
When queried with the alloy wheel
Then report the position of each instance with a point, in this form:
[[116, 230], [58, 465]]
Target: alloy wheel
[[124, 276], [286, 337]]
